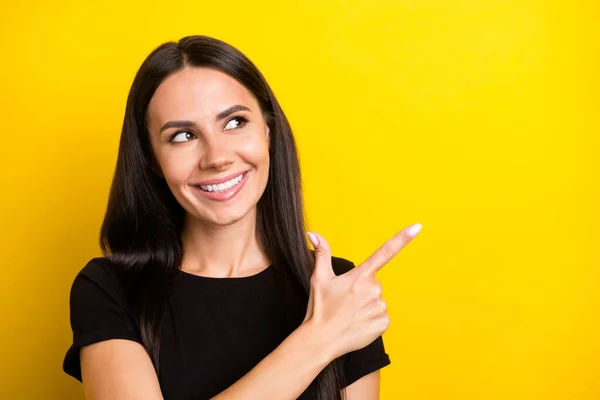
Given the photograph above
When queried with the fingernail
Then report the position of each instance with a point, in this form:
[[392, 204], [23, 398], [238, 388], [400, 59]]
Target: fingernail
[[412, 232], [313, 239]]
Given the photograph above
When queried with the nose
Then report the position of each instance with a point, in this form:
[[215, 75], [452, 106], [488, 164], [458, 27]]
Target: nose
[[216, 154]]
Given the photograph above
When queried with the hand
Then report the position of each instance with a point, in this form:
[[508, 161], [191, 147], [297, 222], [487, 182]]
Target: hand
[[348, 310]]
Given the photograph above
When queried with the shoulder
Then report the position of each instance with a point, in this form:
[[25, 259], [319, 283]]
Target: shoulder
[[99, 268], [99, 274], [98, 311]]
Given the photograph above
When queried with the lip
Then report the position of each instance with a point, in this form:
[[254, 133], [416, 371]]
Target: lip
[[221, 180], [225, 195]]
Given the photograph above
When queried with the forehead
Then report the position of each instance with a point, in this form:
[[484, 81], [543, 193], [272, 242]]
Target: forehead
[[197, 93]]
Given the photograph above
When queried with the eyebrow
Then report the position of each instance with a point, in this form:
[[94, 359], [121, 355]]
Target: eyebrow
[[222, 115]]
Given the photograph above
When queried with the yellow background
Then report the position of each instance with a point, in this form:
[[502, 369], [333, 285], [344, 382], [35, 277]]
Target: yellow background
[[479, 119]]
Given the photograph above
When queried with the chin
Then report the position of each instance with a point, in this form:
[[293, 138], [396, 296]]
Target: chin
[[226, 220], [221, 217]]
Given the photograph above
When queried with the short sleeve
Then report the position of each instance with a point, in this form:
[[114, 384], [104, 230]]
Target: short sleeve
[[369, 359], [366, 360], [97, 312]]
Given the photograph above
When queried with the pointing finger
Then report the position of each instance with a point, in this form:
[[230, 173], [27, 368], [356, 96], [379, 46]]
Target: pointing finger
[[388, 250]]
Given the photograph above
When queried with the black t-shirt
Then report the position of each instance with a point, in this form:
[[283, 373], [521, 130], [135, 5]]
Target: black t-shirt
[[214, 330]]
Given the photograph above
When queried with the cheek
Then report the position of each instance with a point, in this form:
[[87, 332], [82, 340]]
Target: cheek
[[255, 152], [176, 166]]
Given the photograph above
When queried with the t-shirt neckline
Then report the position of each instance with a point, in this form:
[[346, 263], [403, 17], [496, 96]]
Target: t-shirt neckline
[[226, 281]]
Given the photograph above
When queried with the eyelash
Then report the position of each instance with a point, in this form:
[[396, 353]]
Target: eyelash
[[243, 120]]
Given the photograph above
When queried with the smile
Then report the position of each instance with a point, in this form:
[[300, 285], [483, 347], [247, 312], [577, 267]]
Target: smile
[[222, 191], [222, 186]]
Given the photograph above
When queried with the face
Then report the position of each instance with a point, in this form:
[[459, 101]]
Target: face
[[211, 144]]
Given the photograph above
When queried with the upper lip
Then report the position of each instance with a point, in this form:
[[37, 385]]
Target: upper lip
[[220, 180]]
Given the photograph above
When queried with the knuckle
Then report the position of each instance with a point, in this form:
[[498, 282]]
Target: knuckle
[[378, 284], [387, 251], [320, 251], [375, 287], [383, 306], [376, 291], [386, 321]]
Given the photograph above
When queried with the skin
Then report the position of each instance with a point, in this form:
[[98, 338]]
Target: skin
[[220, 240]]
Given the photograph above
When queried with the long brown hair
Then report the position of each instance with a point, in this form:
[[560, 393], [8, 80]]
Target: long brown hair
[[143, 222]]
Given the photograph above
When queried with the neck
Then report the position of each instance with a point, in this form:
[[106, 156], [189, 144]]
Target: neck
[[223, 251]]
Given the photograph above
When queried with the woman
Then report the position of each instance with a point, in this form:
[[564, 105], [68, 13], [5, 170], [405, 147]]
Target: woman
[[207, 287]]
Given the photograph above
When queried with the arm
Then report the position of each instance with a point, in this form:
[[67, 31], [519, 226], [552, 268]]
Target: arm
[[366, 388], [118, 369], [121, 370], [286, 372]]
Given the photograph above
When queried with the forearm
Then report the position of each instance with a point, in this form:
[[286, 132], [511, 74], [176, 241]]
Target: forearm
[[286, 372]]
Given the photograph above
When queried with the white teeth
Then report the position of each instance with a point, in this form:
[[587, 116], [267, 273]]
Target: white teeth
[[222, 186]]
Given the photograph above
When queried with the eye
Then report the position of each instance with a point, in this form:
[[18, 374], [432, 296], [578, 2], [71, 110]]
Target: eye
[[241, 121], [182, 135]]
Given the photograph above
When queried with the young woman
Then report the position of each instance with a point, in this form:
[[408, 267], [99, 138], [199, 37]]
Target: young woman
[[207, 287]]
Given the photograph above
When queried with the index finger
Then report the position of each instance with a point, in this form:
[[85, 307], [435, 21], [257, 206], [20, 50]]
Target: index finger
[[388, 250]]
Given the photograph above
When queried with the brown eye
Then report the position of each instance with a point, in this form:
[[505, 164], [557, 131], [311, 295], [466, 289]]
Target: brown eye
[[181, 136], [236, 122]]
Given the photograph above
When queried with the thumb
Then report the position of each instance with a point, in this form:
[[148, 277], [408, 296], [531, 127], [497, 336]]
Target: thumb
[[323, 268]]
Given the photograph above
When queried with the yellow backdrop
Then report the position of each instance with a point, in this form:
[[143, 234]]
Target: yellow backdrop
[[479, 119]]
